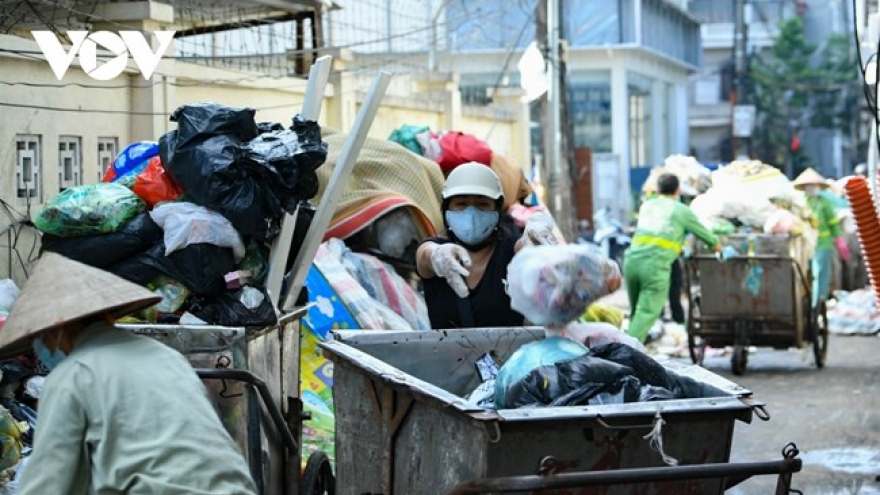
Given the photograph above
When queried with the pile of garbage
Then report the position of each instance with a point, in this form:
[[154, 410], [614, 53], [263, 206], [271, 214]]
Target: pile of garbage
[[585, 358], [694, 178], [21, 381], [192, 215]]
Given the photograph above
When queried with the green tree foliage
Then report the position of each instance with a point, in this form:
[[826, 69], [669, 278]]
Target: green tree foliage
[[793, 86]]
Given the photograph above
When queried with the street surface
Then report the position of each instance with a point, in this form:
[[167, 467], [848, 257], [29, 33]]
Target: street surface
[[832, 414]]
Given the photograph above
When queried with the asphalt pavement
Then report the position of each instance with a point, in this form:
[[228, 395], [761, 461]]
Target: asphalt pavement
[[831, 414]]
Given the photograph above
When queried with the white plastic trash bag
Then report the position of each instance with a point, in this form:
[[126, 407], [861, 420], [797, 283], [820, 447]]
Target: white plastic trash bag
[[8, 294], [553, 285], [188, 223]]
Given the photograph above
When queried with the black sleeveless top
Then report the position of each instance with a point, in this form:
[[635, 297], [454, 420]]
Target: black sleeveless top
[[489, 304]]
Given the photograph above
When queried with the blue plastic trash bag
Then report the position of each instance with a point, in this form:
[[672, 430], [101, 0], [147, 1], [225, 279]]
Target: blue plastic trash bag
[[534, 355], [132, 160]]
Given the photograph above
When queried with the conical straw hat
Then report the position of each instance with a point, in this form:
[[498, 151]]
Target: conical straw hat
[[810, 177], [61, 290]]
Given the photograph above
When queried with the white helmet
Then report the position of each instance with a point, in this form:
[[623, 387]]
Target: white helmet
[[473, 178]]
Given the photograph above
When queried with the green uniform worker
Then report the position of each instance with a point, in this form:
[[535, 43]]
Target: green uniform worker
[[830, 233], [663, 224]]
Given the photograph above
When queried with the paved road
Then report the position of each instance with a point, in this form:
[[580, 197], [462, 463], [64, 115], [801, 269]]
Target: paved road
[[833, 415]]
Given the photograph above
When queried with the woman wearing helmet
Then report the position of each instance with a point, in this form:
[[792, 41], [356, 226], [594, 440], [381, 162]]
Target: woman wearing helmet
[[464, 272]]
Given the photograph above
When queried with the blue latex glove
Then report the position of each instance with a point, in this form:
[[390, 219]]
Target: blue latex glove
[[726, 253], [686, 252]]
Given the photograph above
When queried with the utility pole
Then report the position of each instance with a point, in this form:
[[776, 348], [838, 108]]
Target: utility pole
[[740, 69], [558, 163]]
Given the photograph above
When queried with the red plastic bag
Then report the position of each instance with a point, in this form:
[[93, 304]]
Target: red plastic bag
[[457, 148], [154, 185]]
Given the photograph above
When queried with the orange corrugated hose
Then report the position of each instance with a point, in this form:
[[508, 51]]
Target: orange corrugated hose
[[868, 227]]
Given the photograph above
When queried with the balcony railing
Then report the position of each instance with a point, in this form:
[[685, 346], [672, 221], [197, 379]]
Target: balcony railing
[[709, 115]]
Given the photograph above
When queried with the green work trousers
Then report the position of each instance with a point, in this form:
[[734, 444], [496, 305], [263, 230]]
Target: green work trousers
[[821, 267], [647, 285]]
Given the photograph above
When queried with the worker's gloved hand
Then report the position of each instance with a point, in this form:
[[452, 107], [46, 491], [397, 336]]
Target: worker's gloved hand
[[842, 248], [539, 230], [451, 261], [726, 253]]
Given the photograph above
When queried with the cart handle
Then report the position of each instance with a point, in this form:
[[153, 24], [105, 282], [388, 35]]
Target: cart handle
[[262, 391], [514, 484]]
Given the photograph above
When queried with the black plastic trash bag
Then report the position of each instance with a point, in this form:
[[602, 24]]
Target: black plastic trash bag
[[249, 306], [202, 156], [650, 372], [199, 267], [223, 163], [288, 159], [141, 268], [573, 383], [613, 373], [106, 250]]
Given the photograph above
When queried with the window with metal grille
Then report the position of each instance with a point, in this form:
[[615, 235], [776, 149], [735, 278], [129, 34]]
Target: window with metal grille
[[107, 149], [70, 169], [28, 167]]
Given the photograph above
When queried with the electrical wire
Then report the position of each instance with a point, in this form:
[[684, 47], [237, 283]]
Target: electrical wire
[[870, 98]]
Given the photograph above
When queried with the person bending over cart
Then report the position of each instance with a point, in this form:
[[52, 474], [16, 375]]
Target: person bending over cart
[[660, 232], [464, 272], [119, 413], [830, 233]]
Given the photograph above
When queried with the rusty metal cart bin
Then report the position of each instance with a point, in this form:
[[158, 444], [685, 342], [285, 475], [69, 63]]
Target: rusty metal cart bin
[[776, 312], [403, 427], [252, 377]]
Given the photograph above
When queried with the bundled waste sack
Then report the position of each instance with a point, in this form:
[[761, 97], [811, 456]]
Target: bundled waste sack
[[216, 155], [693, 176], [457, 148], [385, 177], [553, 285], [610, 374], [249, 306], [199, 267], [88, 210], [130, 162], [530, 357], [8, 294], [406, 136], [139, 168], [104, 250], [593, 334], [187, 223]]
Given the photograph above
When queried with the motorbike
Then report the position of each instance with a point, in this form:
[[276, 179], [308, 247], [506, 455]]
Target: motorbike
[[610, 235]]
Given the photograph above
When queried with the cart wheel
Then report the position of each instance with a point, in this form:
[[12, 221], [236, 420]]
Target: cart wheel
[[697, 348], [696, 344], [740, 359], [820, 334], [318, 476]]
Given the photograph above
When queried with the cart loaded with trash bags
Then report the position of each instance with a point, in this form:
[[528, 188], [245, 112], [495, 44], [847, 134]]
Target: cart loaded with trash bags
[[544, 409], [761, 297], [215, 218], [407, 421]]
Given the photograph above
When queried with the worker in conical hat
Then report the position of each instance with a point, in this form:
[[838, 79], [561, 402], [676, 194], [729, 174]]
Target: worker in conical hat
[[830, 234], [119, 412]]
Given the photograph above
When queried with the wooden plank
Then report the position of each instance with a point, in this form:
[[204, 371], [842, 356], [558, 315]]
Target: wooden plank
[[314, 97], [338, 181]]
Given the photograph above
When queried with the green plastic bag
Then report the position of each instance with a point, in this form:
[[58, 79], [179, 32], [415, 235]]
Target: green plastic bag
[[405, 135], [89, 210]]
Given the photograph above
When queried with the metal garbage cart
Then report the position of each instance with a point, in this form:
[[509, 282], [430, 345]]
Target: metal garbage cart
[[252, 377], [772, 310], [403, 426]]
